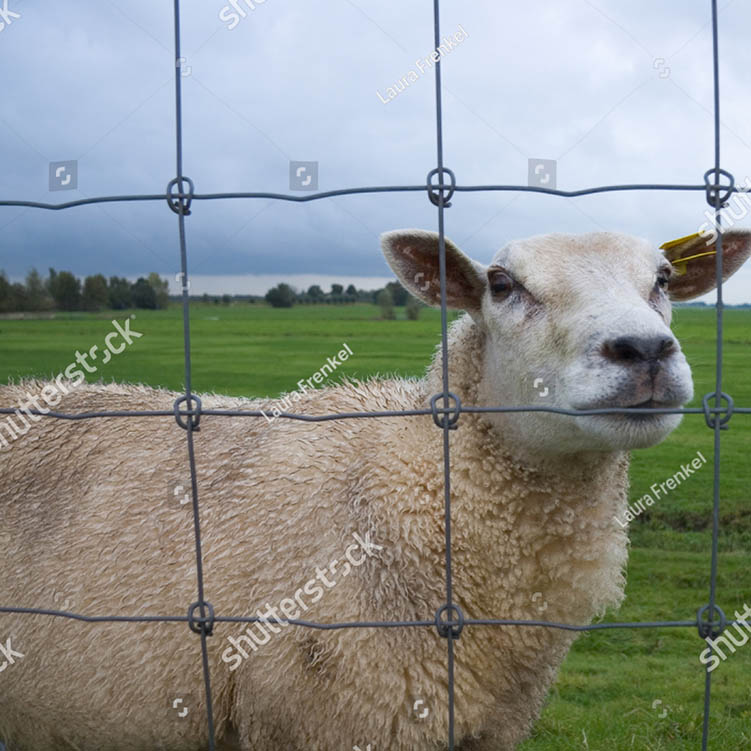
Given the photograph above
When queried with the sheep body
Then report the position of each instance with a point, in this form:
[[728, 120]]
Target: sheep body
[[92, 519]]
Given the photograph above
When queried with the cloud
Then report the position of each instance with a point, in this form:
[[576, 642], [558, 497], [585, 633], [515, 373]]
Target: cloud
[[616, 93]]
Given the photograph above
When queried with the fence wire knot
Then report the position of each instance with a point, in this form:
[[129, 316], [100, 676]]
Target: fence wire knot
[[710, 628], [713, 189], [201, 624], [454, 625], [435, 195], [712, 417], [193, 413], [448, 414], [180, 202]]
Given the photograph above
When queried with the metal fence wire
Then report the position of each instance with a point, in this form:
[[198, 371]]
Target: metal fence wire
[[449, 620]]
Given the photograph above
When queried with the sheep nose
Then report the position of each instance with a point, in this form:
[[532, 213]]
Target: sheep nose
[[627, 349]]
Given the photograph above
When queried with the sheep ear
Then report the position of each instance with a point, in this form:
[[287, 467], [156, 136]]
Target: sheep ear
[[413, 256], [693, 260]]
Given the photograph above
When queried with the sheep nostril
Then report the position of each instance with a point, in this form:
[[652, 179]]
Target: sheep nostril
[[626, 349]]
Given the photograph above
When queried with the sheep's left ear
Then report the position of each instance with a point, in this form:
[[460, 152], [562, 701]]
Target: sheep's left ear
[[694, 259]]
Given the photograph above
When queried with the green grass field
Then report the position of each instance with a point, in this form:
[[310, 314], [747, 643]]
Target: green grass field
[[620, 689]]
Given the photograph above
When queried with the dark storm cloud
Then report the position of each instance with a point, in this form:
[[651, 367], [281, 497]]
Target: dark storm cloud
[[615, 93]]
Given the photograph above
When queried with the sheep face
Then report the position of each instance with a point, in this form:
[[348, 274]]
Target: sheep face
[[573, 321]]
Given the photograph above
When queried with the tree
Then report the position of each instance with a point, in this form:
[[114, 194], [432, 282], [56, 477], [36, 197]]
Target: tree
[[413, 308], [50, 281], [226, 299], [386, 302], [352, 290], [36, 292], [13, 297], [161, 289], [118, 293], [19, 300], [336, 290], [398, 293], [95, 293], [315, 292], [143, 294], [281, 296], [65, 290], [5, 294]]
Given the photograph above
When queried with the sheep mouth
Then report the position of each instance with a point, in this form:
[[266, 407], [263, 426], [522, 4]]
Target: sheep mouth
[[650, 403]]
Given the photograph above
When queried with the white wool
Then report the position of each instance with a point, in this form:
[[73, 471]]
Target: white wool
[[92, 519]]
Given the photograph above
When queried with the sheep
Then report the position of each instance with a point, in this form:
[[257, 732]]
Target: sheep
[[353, 508]]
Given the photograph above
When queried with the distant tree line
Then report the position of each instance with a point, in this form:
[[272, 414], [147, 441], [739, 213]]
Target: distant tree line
[[285, 296], [393, 294], [62, 290]]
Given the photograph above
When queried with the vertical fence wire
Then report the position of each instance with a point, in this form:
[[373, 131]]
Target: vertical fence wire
[[446, 426], [205, 624], [718, 374], [451, 626]]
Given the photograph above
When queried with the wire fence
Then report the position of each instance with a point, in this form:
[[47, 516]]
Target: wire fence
[[449, 619]]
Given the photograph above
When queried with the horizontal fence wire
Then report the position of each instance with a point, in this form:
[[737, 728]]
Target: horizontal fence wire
[[373, 189], [385, 413], [354, 624], [709, 620]]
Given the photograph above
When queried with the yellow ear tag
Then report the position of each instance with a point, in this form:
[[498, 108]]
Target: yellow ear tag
[[674, 248]]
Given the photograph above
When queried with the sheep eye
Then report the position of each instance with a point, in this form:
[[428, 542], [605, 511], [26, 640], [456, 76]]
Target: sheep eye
[[663, 279], [501, 284]]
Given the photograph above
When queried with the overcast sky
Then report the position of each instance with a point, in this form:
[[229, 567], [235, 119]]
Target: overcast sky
[[615, 92]]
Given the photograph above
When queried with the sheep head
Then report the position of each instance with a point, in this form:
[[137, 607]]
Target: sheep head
[[585, 319]]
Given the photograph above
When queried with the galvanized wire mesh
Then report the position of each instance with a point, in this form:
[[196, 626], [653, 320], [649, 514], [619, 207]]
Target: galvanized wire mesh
[[449, 619]]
